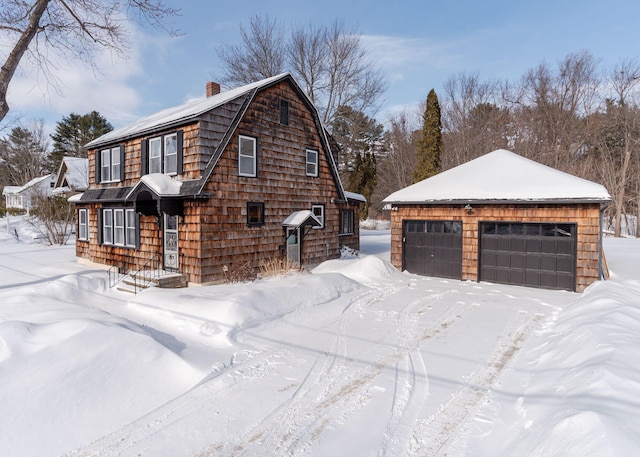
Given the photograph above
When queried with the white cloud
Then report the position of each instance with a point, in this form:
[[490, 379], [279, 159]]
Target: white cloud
[[77, 87], [399, 56]]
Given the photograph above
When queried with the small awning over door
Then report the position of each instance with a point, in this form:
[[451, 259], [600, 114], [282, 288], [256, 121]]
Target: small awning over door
[[156, 194], [304, 218]]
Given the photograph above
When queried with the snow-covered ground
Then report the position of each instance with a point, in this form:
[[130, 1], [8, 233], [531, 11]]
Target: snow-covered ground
[[353, 358]]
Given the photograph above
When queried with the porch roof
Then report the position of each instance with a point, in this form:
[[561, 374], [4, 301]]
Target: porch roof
[[301, 218]]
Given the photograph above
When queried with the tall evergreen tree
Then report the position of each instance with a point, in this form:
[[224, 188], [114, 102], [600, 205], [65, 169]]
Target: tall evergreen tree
[[22, 156], [355, 132], [430, 147], [72, 133]]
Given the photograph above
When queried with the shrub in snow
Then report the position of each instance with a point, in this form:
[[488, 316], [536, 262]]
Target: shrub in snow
[[375, 224]]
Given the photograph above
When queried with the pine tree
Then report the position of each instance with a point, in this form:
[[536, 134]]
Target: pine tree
[[73, 133], [430, 147], [22, 156]]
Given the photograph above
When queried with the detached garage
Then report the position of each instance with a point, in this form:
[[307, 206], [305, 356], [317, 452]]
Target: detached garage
[[501, 218]]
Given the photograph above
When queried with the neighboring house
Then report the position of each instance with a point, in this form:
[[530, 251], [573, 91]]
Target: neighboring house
[[21, 196], [501, 218], [73, 176], [220, 184]]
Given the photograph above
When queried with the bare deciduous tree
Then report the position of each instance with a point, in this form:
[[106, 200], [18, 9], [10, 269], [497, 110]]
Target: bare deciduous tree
[[261, 54], [329, 61], [395, 168], [464, 93], [74, 28], [52, 217], [552, 109], [620, 140]]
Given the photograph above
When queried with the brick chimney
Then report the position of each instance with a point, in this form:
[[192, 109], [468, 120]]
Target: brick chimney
[[212, 88]]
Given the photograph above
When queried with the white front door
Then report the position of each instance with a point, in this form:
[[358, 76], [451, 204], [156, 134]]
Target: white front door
[[293, 245], [171, 243]]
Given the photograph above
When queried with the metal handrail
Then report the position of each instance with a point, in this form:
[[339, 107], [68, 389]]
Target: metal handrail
[[116, 274], [141, 280]]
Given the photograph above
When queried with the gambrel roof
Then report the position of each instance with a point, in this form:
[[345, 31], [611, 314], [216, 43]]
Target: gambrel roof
[[501, 176], [190, 112], [179, 115]]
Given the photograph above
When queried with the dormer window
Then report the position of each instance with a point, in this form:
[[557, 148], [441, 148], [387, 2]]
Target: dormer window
[[110, 164], [163, 154]]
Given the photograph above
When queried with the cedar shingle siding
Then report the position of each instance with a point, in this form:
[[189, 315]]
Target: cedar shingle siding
[[214, 234], [540, 227], [586, 216]]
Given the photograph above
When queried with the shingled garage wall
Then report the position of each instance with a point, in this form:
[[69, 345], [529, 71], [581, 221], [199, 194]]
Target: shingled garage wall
[[586, 218]]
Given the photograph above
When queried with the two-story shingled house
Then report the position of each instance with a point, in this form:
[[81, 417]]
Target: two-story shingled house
[[225, 182]]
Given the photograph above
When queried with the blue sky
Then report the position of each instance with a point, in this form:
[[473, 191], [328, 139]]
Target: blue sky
[[417, 44]]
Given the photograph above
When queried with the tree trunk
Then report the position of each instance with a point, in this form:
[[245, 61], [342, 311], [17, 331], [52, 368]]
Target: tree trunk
[[10, 66], [622, 185]]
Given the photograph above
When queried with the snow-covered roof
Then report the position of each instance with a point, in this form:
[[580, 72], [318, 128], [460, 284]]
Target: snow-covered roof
[[355, 196], [75, 198], [77, 173], [163, 185], [8, 190], [303, 217], [501, 176], [18, 189], [176, 114]]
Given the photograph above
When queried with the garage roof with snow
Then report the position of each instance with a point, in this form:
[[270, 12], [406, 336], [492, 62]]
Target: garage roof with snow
[[501, 176]]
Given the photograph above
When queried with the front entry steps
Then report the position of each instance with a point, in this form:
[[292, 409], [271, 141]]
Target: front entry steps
[[141, 280]]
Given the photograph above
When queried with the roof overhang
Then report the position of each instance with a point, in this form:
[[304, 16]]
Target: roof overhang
[[303, 218]]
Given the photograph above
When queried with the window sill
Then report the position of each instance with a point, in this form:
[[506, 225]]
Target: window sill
[[111, 245]]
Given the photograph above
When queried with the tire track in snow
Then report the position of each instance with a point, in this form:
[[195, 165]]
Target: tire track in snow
[[412, 380], [432, 435], [280, 428], [293, 430]]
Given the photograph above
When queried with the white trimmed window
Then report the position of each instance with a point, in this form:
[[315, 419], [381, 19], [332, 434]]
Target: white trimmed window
[[155, 155], [83, 224], [163, 154], [110, 165], [247, 155], [171, 154], [312, 162], [130, 224], [318, 212], [119, 227], [107, 226]]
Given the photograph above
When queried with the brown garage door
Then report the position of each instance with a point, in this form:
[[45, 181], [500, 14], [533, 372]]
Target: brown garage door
[[534, 255], [432, 248]]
